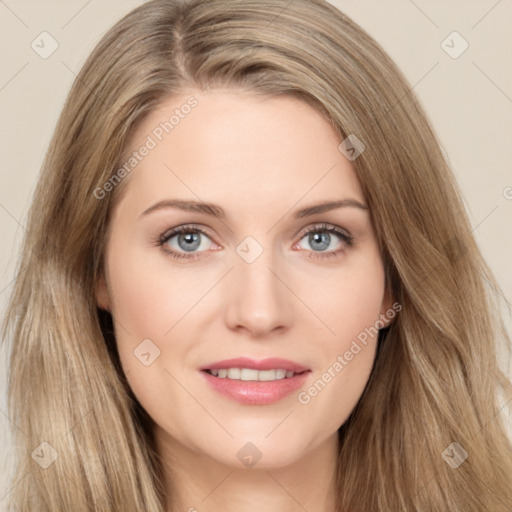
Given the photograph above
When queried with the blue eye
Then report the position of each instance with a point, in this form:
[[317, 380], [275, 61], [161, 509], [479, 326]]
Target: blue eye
[[319, 237], [188, 239]]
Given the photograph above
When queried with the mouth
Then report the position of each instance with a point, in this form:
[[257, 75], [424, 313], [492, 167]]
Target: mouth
[[252, 382], [250, 374]]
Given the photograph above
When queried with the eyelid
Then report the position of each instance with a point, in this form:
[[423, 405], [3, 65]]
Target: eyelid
[[323, 226], [184, 227]]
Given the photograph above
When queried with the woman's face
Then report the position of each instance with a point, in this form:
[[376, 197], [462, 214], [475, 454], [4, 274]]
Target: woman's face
[[245, 279]]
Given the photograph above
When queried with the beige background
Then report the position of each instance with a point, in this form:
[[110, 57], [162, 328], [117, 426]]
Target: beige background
[[469, 100]]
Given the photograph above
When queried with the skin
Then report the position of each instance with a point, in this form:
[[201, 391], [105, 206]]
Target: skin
[[260, 159]]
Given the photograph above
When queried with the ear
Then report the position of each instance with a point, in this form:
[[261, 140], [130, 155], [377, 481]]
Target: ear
[[101, 293]]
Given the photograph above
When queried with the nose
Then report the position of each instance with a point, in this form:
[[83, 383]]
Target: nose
[[259, 299]]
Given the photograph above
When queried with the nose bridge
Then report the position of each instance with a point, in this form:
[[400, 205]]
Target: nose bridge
[[255, 268], [260, 300]]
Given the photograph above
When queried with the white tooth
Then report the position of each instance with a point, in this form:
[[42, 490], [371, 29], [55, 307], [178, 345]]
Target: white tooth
[[248, 374], [280, 374], [233, 373], [267, 375]]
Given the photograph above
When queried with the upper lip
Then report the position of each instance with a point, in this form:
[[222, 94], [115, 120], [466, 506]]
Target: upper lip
[[271, 363]]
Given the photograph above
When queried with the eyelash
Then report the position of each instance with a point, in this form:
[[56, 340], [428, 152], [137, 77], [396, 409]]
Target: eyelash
[[347, 239]]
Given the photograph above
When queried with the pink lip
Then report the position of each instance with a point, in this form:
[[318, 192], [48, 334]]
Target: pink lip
[[272, 363], [256, 392]]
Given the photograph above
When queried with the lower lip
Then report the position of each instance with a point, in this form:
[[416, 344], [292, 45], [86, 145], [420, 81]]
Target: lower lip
[[256, 392]]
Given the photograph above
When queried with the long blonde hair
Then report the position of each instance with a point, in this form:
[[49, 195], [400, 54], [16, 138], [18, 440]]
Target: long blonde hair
[[436, 379]]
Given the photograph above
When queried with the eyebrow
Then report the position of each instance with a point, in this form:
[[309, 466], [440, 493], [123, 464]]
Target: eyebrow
[[217, 211]]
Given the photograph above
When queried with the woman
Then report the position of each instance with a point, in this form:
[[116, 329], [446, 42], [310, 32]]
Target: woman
[[181, 342]]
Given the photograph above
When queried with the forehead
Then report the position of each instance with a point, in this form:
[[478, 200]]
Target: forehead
[[235, 147]]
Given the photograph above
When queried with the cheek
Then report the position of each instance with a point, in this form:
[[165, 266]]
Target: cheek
[[351, 309], [155, 308], [148, 295], [351, 302], [147, 300]]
